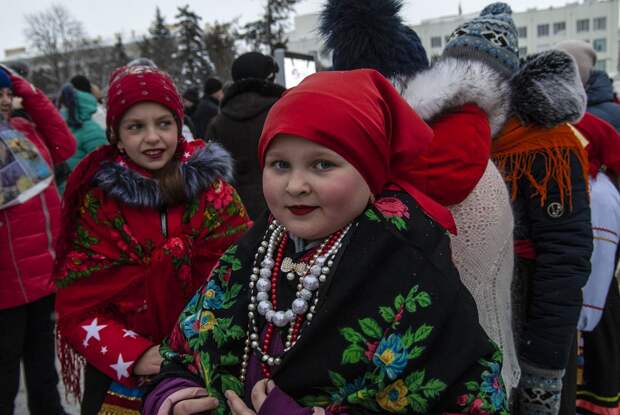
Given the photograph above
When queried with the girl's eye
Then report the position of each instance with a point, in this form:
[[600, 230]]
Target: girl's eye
[[323, 165], [165, 124], [279, 164], [134, 126]]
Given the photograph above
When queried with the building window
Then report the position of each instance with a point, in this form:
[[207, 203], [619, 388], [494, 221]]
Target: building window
[[601, 65], [559, 27], [436, 42], [583, 25], [599, 23], [522, 52], [543, 30], [522, 31], [600, 45]]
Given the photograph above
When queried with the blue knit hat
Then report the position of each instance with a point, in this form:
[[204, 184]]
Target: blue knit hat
[[492, 37], [5, 79], [371, 34]]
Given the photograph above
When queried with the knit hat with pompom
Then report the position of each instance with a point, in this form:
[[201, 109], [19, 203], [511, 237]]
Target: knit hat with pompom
[[492, 37]]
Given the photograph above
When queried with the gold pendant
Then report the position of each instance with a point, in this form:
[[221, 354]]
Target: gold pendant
[[299, 268]]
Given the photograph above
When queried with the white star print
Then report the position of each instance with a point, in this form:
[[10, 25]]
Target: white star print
[[104, 349], [186, 155], [121, 367], [130, 333], [92, 331]]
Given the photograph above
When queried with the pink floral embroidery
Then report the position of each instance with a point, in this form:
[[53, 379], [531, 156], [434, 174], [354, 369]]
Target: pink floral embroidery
[[391, 206], [220, 195]]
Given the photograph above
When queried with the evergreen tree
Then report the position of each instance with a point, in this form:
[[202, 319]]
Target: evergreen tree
[[161, 45], [119, 56], [269, 32], [191, 52], [220, 41]]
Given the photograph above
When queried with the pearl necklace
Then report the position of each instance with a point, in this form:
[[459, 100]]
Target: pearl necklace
[[265, 274]]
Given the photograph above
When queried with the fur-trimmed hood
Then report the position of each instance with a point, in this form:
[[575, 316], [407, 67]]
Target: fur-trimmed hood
[[450, 83], [206, 165], [547, 90]]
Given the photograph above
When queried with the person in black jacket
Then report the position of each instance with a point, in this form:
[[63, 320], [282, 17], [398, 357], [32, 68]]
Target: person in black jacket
[[208, 107], [239, 124]]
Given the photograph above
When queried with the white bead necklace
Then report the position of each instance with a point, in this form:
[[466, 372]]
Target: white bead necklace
[[261, 284]]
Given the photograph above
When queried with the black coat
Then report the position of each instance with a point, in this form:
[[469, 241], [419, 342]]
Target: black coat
[[548, 288], [238, 127], [601, 99], [205, 111]]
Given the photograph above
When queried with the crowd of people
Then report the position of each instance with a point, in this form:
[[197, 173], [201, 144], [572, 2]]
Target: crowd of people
[[389, 236]]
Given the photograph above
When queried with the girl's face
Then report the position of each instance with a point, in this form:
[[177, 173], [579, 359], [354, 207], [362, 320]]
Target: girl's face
[[148, 133], [311, 189], [6, 99]]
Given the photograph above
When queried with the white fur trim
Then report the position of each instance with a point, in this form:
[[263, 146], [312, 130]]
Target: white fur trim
[[451, 83]]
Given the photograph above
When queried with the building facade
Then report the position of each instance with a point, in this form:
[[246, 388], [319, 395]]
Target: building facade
[[593, 21]]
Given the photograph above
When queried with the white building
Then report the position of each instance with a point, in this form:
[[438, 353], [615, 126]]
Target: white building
[[594, 21]]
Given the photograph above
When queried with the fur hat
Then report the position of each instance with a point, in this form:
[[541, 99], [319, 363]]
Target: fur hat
[[81, 83], [584, 55], [371, 34], [254, 65], [492, 37], [547, 90], [135, 84], [5, 79]]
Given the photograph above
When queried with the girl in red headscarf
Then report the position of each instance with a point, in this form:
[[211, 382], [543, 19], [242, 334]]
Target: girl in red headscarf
[[145, 220], [344, 299]]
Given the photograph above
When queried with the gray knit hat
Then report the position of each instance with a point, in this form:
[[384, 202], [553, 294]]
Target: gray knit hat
[[492, 37]]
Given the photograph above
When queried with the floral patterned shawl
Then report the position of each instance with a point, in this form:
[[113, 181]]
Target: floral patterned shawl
[[394, 331]]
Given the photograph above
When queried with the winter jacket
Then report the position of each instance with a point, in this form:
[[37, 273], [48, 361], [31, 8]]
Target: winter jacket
[[28, 231], [89, 134], [238, 127], [131, 263], [206, 110], [545, 167], [601, 98]]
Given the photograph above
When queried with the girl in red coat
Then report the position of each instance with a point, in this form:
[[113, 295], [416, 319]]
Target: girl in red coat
[[145, 219], [27, 232]]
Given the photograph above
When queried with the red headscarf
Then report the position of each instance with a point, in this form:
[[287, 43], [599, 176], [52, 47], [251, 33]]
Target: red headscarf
[[130, 85], [604, 144], [359, 115]]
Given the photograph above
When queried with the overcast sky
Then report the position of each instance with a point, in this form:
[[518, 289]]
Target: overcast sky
[[107, 17]]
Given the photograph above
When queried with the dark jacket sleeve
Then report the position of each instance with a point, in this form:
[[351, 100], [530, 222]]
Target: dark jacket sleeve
[[563, 244]]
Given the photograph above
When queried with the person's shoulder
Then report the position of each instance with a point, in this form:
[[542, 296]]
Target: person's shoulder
[[399, 212]]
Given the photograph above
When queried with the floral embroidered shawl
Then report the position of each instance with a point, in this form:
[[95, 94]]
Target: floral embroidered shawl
[[394, 331]]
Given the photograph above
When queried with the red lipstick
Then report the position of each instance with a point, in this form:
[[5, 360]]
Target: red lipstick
[[301, 210]]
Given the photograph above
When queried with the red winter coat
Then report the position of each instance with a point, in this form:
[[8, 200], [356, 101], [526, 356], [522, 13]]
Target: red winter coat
[[28, 231]]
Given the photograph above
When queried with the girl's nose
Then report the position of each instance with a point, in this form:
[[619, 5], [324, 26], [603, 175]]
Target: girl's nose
[[297, 183]]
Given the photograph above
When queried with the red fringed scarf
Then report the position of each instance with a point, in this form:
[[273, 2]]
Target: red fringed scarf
[[517, 146]]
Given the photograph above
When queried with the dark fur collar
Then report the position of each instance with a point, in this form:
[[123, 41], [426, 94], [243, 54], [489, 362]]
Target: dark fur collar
[[206, 165], [547, 90]]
